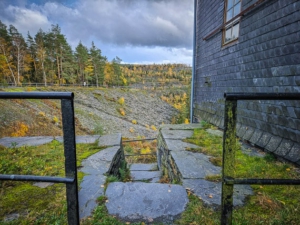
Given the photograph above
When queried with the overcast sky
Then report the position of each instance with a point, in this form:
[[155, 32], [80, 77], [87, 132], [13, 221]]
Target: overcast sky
[[137, 31]]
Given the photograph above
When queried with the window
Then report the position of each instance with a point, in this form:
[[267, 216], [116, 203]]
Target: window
[[231, 30]]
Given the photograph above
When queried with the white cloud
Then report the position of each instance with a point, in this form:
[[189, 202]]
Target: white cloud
[[135, 30], [25, 19]]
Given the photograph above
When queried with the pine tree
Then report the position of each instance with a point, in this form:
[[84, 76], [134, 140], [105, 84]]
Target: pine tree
[[81, 56], [98, 64]]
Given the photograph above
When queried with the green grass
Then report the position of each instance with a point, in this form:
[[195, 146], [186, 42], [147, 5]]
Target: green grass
[[37, 205], [270, 204]]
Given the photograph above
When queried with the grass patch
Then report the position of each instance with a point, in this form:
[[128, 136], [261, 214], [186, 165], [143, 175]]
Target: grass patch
[[196, 213], [33, 204], [208, 143], [270, 204], [214, 178]]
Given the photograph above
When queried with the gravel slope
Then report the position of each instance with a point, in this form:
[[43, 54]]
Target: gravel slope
[[96, 111]]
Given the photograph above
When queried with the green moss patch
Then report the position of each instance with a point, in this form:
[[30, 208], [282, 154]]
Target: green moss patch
[[270, 204], [32, 204]]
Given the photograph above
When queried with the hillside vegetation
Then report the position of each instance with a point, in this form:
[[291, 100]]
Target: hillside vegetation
[[132, 112]]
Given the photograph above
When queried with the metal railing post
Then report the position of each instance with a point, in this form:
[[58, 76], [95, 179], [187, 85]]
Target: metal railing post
[[229, 147], [67, 108]]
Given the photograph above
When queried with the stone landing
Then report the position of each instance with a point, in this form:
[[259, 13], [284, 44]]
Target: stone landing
[[146, 202]]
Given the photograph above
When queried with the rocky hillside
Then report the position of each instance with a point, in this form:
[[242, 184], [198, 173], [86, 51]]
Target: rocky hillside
[[98, 111]]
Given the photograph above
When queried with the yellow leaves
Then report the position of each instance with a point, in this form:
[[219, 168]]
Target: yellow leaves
[[186, 121], [134, 121], [153, 127], [54, 119], [121, 101], [177, 106], [20, 130], [146, 150], [122, 111], [288, 169], [131, 130], [124, 81], [42, 114]]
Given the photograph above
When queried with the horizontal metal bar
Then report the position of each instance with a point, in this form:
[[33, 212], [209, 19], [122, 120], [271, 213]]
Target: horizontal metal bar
[[36, 178], [262, 96], [263, 181], [36, 95], [134, 140]]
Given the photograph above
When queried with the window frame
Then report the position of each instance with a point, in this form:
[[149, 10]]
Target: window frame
[[232, 24]]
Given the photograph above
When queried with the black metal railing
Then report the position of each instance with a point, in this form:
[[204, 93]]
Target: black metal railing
[[229, 141], [67, 109]]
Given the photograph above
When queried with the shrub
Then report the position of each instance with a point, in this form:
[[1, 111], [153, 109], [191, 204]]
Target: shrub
[[20, 129]]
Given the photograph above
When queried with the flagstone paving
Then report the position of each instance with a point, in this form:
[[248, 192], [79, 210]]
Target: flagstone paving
[[146, 201]]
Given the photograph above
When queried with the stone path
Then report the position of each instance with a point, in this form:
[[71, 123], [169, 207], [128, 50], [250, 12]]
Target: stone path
[[41, 140], [146, 201], [191, 168]]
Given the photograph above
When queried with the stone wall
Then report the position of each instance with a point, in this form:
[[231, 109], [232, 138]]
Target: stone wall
[[165, 161], [114, 155], [266, 58]]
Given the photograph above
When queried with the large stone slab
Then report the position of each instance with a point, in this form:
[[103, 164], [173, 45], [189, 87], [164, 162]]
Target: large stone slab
[[150, 176], [210, 192], [147, 202], [25, 141], [190, 126], [194, 165], [143, 167], [177, 134], [178, 145], [92, 185], [110, 140], [99, 162]]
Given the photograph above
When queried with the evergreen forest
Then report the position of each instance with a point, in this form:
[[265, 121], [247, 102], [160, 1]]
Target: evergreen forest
[[47, 59]]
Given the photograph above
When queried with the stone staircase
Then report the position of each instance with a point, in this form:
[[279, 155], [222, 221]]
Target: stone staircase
[[144, 199], [145, 172]]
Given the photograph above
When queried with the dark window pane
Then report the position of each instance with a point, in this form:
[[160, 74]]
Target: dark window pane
[[228, 35], [235, 31], [237, 9], [230, 4], [229, 15]]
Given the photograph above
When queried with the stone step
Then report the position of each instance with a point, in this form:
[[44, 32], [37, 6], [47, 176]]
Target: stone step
[[148, 176], [146, 202], [144, 167]]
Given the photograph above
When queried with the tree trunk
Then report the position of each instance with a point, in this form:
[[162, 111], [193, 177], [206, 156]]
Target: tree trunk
[[58, 69]]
